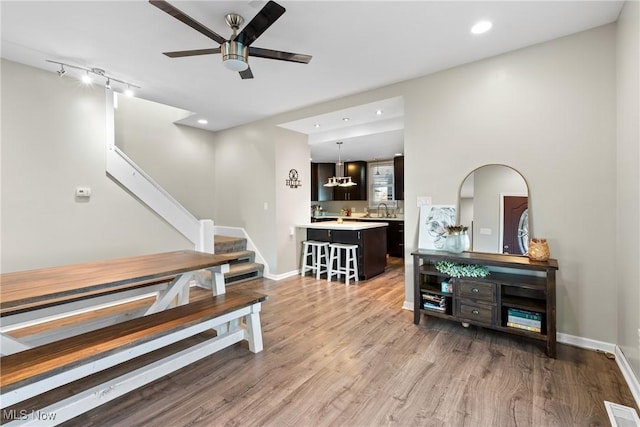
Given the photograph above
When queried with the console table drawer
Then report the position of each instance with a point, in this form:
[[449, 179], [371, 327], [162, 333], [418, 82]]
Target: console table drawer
[[481, 291], [476, 313]]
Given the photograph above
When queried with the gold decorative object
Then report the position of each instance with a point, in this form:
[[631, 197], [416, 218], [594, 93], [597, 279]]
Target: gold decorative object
[[538, 250]]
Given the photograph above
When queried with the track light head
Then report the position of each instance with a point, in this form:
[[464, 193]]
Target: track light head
[[108, 84], [61, 72]]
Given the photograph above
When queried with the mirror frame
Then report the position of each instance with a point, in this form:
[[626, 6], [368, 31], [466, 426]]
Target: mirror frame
[[500, 220]]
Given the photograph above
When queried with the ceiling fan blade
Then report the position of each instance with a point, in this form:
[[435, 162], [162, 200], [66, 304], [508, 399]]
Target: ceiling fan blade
[[179, 15], [263, 20], [246, 74], [182, 53], [277, 54]]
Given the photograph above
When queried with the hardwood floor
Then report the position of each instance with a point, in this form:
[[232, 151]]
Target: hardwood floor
[[350, 356]]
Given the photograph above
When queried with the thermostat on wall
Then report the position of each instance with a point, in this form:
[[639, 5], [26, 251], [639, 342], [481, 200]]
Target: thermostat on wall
[[83, 192]]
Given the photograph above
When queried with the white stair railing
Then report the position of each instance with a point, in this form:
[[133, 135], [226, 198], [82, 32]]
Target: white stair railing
[[134, 179]]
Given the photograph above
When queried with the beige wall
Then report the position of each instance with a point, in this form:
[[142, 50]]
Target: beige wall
[[53, 140], [291, 152], [179, 158], [628, 178]]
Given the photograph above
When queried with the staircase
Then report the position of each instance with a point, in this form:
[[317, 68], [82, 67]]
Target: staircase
[[241, 268]]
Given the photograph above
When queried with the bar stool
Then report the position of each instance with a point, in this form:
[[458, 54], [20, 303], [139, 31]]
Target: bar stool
[[350, 266], [319, 254]]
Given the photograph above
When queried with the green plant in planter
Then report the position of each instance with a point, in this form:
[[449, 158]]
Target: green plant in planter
[[455, 269]]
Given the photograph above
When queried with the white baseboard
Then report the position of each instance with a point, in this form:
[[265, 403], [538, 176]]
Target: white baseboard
[[629, 375], [407, 306], [282, 276], [585, 343]]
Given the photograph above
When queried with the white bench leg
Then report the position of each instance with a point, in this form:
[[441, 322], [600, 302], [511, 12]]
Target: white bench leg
[[254, 331]]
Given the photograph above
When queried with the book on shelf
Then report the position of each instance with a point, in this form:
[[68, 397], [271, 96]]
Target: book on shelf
[[434, 302], [525, 322], [428, 306], [524, 314], [524, 319], [524, 327]]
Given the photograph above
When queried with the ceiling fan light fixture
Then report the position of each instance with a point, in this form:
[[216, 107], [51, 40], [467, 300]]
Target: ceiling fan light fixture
[[234, 56]]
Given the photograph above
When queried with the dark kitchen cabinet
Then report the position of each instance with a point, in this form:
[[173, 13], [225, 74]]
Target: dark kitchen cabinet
[[398, 174], [358, 173], [395, 239], [371, 242], [320, 174]]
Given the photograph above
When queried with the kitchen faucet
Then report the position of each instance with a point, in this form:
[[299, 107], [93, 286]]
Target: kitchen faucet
[[386, 210]]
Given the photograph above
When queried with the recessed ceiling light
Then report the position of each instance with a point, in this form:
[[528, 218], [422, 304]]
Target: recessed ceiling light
[[481, 27], [203, 121], [316, 125], [345, 119], [378, 112]]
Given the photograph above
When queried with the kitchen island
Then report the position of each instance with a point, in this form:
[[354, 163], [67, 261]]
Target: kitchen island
[[371, 238]]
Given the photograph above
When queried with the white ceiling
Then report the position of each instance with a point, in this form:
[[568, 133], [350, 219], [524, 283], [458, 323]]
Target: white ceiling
[[356, 46]]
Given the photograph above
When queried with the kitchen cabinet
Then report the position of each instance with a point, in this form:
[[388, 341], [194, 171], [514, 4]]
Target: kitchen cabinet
[[372, 244], [518, 296], [398, 176], [358, 173], [395, 239], [320, 174]]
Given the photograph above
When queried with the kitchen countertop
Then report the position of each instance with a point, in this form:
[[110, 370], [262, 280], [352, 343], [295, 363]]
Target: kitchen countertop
[[359, 218], [347, 225]]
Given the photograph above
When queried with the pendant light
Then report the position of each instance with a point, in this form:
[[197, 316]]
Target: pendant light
[[339, 180]]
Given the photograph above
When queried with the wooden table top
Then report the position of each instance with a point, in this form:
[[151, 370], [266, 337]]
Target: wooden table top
[[35, 286]]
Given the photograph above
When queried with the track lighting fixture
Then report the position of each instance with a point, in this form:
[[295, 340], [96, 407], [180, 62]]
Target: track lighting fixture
[[88, 72]]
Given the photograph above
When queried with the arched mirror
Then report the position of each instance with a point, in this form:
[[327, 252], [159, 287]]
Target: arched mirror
[[494, 203]]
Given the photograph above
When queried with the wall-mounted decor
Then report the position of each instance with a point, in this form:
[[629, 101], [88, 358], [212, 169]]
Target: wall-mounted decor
[[433, 222], [293, 181]]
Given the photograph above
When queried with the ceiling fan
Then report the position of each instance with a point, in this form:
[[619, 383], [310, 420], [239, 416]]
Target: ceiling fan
[[237, 49]]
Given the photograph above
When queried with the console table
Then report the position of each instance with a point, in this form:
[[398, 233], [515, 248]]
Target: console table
[[515, 283]]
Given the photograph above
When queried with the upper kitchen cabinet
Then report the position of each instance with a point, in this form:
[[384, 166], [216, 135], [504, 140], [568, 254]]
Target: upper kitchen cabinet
[[398, 172], [358, 173], [320, 174]]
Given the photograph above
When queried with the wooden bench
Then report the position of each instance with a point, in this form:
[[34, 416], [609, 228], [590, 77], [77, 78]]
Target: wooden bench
[[234, 315]]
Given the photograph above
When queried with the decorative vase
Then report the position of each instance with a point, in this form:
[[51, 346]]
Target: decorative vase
[[457, 242], [538, 250]]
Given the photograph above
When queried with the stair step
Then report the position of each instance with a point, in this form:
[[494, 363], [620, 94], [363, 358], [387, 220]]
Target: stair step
[[243, 272], [225, 244], [241, 257]]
